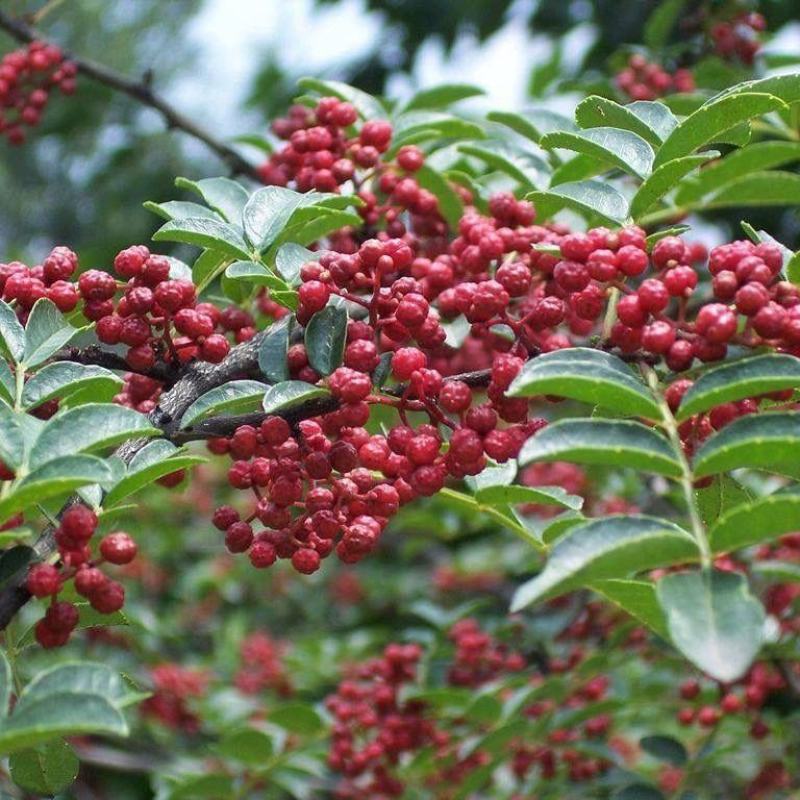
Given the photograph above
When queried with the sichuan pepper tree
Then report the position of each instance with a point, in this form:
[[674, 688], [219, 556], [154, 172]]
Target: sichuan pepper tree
[[390, 327]]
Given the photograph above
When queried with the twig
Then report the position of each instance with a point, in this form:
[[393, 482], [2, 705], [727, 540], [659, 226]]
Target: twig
[[94, 355], [226, 425], [141, 91]]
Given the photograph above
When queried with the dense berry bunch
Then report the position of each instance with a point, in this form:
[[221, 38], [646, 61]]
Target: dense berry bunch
[[73, 535], [23, 285], [707, 704], [326, 152], [739, 37], [158, 318], [645, 80], [28, 76], [374, 727], [174, 687], [261, 666], [478, 658]]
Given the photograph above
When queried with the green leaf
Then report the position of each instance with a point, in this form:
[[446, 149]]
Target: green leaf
[[661, 22], [758, 441], [446, 126], [739, 379], [588, 375], [87, 428], [534, 123], [6, 684], [325, 337], [777, 571], [665, 748], [248, 745], [79, 677], [450, 205], [786, 87], [591, 199], [713, 119], [638, 598], [297, 718], [12, 334], [47, 769], [757, 156], [231, 397], [318, 223], [664, 179], [504, 515], [12, 441], [618, 443], [255, 273], [609, 547], [442, 96], [273, 351], [269, 210], [525, 167], [291, 393], [560, 525], [61, 714], [624, 149], [543, 495], [202, 786], [674, 230], [207, 267], [290, 258], [62, 379], [221, 237], [756, 522], [723, 494], [367, 106], [7, 383], [179, 209], [224, 195], [713, 620], [772, 188], [653, 122], [56, 477], [545, 73], [155, 460], [638, 791], [46, 332]]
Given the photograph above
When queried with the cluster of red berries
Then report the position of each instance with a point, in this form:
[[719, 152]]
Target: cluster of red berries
[[478, 658], [374, 726], [23, 285], [261, 666], [325, 152], [748, 697], [698, 428], [27, 78], [174, 687], [447, 580], [653, 316], [739, 37], [158, 318], [75, 530], [645, 80]]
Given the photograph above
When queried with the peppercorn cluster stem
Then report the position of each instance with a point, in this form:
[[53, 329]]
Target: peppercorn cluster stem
[[670, 426]]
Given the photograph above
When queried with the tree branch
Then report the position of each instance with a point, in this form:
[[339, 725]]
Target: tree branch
[[225, 425], [95, 355], [196, 379], [142, 92]]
